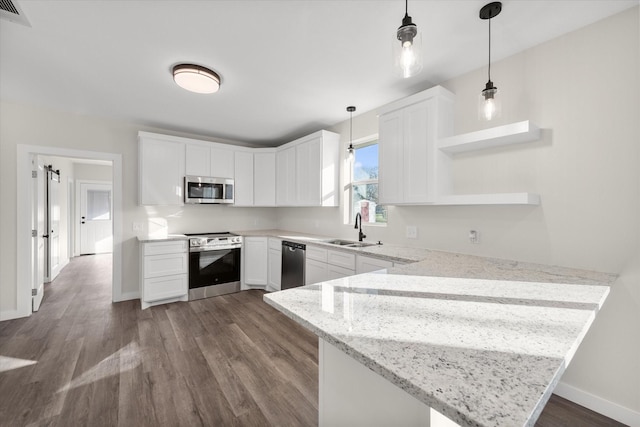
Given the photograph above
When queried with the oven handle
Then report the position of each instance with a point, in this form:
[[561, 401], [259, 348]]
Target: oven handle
[[217, 248]]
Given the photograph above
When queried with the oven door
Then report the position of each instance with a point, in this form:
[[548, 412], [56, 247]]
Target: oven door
[[214, 267]]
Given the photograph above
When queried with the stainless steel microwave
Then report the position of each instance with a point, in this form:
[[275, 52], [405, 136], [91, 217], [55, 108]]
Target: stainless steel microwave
[[204, 189]]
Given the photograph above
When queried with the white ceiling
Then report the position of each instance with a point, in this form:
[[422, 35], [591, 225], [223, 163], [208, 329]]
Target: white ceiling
[[288, 68]]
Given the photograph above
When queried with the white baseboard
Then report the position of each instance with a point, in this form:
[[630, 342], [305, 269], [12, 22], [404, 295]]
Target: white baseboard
[[598, 404], [128, 296], [10, 314]]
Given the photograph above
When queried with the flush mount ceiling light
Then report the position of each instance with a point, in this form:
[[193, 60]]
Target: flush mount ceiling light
[[408, 53], [489, 104], [196, 78], [351, 150]]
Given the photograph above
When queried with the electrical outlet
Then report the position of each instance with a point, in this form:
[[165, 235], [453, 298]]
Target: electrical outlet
[[412, 232], [474, 236], [138, 226]]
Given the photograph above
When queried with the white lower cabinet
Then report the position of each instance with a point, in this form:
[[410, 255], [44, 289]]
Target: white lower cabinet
[[365, 264], [163, 273], [275, 264], [315, 271], [324, 264], [255, 264]]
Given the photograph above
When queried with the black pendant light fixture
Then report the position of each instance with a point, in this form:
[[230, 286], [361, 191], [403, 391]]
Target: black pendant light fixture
[[407, 50], [489, 106], [351, 150]]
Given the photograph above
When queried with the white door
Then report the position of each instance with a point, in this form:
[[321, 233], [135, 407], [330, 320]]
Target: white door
[[53, 225], [39, 226], [95, 219]]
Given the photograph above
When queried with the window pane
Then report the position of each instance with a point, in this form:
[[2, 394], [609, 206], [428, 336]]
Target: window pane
[[365, 164], [365, 201], [98, 205]]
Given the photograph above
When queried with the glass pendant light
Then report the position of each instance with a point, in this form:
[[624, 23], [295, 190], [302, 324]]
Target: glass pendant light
[[408, 52], [351, 150], [489, 105]]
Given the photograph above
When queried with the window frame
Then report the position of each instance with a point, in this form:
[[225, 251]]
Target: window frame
[[361, 143]]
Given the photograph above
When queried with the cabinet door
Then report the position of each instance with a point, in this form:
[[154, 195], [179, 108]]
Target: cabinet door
[[416, 152], [365, 264], [222, 163], [264, 179], [286, 177], [198, 160], [390, 146], [164, 287], [275, 269], [165, 265], [335, 272], [256, 266], [308, 173], [315, 272], [161, 172], [244, 178]]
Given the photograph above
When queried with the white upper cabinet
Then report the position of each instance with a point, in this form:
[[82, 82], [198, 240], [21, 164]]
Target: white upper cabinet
[[308, 172], [286, 177], [243, 178], [222, 162], [409, 130], [198, 160], [264, 177], [205, 159], [160, 170]]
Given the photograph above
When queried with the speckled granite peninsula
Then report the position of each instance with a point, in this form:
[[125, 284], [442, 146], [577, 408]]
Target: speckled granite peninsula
[[482, 341]]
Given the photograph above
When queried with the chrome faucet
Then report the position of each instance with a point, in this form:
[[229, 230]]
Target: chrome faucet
[[361, 235]]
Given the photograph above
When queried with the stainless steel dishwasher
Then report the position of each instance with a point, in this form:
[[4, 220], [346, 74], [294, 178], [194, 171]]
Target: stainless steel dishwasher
[[293, 259]]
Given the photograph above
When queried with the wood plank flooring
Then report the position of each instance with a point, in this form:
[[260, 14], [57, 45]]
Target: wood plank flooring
[[224, 361]]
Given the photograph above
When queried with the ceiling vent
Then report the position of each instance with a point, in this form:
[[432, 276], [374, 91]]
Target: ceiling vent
[[10, 11]]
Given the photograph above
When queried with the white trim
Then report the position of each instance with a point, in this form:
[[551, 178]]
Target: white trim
[[23, 211], [129, 296], [597, 404], [10, 315]]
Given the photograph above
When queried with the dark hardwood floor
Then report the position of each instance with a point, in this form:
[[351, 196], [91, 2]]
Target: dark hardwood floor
[[230, 360]]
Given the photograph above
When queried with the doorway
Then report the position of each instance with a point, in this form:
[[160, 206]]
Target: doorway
[[95, 213], [26, 202]]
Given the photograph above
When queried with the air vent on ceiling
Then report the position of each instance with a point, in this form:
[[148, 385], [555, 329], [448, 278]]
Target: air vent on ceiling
[[11, 11]]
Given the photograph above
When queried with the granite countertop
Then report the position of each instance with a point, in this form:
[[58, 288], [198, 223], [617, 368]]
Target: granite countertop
[[482, 341], [389, 252], [161, 238]]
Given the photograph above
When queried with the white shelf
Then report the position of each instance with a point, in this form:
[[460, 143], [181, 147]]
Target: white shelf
[[514, 133], [490, 199]]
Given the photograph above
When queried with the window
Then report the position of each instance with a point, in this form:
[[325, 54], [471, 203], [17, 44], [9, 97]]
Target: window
[[363, 188]]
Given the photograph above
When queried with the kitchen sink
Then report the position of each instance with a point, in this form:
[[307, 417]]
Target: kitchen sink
[[349, 243]]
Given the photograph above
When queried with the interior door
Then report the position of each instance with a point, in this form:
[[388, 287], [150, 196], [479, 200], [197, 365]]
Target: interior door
[[96, 225], [40, 229], [53, 225]]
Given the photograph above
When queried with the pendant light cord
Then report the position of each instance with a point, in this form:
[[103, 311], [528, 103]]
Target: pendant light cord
[[351, 129], [489, 70], [406, 7]]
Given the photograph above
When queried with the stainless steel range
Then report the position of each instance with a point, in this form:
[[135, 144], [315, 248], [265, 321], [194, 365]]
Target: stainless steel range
[[214, 264]]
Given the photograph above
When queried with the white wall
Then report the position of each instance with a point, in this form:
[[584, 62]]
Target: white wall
[[583, 89], [73, 131], [90, 172]]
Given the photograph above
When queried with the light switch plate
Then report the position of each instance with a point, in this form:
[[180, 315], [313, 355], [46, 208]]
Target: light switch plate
[[138, 226]]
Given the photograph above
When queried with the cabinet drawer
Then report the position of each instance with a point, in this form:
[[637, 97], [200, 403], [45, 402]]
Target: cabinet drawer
[[275, 244], [335, 272], [342, 259], [159, 288], [365, 264], [170, 247], [165, 265], [314, 252]]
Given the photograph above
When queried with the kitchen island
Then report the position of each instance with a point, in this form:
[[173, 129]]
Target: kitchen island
[[481, 341]]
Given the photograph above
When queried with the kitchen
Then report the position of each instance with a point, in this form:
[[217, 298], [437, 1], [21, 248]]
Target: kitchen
[[585, 175]]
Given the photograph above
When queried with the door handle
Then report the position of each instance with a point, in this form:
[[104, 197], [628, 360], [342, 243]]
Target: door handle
[[46, 236], [82, 222]]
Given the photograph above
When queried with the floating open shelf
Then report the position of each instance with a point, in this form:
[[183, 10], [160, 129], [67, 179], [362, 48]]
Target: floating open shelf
[[514, 133]]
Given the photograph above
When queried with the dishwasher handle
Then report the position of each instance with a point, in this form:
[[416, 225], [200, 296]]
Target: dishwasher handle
[[292, 246]]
